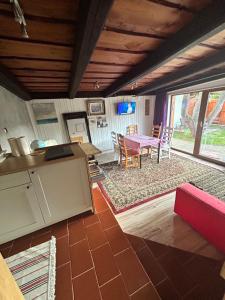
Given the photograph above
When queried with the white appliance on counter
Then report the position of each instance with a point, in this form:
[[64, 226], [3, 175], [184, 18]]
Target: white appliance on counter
[[19, 146]]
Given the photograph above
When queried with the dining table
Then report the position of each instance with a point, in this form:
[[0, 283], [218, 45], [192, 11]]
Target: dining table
[[139, 141]]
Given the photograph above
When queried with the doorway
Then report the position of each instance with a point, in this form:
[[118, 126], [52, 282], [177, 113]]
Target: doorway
[[198, 119], [184, 119]]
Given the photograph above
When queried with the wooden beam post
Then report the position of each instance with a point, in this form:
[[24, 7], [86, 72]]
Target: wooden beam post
[[198, 67], [93, 14], [205, 24], [10, 82], [193, 81]]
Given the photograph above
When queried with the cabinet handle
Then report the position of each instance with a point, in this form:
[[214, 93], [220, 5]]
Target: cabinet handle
[[28, 187], [32, 172]]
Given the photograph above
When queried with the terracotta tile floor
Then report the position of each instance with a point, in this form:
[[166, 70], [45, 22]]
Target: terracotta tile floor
[[178, 274], [95, 260], [93, 252]]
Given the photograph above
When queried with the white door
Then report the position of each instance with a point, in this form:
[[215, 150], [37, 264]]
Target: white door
[[19, 212], [63, 189]]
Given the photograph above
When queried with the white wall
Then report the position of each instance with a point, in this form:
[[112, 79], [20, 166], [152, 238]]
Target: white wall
[[13, 116], [101, 137]]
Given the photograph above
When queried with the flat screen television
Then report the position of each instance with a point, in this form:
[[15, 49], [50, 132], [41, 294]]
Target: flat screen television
[[125, 108]]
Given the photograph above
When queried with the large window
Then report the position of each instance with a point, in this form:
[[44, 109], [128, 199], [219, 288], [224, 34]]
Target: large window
[[213, 133], [184, 118], [199, 123]]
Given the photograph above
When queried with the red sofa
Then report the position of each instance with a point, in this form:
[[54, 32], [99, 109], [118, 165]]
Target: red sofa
[[203, 212]]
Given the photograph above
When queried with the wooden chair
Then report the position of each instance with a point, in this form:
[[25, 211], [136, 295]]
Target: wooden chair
[[165, 146], [114, 140], [132, 129], [156, 132], [128, 157], [115, 146]]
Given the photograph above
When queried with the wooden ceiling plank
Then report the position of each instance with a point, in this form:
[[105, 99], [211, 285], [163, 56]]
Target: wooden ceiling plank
[[93, 14], [112, 50], [133, 33], [52, 9], [54, 33], [45, 84], [11, 83], [194, 5], [27, 79], [148, 17], [105, 57], [13, 48], [197, 67], [29, 73], [173, 5], [100, 76], [35, 64], [205, 24]]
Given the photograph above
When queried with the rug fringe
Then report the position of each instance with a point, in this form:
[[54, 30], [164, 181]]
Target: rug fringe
[[52, 269]]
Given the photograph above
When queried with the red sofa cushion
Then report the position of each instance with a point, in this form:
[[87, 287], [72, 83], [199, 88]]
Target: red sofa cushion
[[203, 212]]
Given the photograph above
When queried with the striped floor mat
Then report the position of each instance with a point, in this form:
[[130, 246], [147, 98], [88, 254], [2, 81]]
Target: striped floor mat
[[34, 270]]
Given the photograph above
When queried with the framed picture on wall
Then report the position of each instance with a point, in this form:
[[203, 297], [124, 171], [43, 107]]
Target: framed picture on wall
[[96, 107], [44, 113]]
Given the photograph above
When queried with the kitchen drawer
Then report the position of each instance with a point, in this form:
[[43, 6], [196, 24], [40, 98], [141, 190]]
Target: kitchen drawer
[[14, 179]]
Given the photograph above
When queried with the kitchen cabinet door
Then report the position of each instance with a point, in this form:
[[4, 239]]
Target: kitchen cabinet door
[[20, 213], [63, 189]]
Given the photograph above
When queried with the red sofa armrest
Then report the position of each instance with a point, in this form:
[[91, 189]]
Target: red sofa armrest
[[203, 212]]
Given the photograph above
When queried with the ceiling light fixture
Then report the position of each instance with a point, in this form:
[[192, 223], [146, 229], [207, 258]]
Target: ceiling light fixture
[[134, 85], [19, 17], [96, 85]]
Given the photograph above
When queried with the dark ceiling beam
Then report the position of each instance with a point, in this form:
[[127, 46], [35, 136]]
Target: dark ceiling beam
[[79, 94], [205, 24], [196, 80], [203, 65], [11, 83], [48, 95], [93, 14]]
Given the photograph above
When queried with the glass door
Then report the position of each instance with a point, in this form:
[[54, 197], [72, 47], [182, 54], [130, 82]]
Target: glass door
[[184, 117], [213, 127]]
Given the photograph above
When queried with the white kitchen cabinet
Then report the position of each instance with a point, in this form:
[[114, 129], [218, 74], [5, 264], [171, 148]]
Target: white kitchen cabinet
[[14, 179], [63, 189], [19, 212]]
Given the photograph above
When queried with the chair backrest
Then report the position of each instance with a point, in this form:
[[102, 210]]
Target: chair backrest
[[156, 131], [122, 144], [114, 138], [167, 135], [132, 129]]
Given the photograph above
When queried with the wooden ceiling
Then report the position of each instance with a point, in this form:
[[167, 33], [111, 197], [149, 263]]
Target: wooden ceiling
[[100, 47]]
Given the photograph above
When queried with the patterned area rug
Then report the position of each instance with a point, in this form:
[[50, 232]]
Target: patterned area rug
[[125, 189], [34, 271]]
